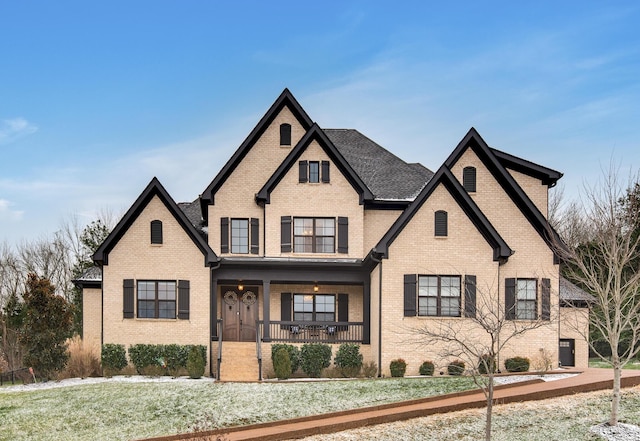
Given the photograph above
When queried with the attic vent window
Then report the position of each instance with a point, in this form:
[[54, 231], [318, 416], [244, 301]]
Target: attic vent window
[[441, 223], [285, 134], [469, 179], [156, 232]]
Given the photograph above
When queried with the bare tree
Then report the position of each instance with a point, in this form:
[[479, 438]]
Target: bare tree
[[479, 340], [605, 263]]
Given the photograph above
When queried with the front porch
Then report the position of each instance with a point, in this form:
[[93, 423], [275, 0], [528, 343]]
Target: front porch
[[257, 302]]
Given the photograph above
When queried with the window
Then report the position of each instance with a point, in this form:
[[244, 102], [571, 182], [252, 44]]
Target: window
[[441, 223], [314, 171], [526, 307], [439, 296], [285, 134], [156, 232], [156, 299], [469, 179], [314, 235], [314, 307], [240, 236]]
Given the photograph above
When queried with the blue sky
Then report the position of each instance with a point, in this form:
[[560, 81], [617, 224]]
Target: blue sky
[[97, 98]]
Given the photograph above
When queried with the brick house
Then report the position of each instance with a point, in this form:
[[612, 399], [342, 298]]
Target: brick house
[[321, 235]]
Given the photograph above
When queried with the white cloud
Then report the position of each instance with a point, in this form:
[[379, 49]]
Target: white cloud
[[12, 129], [6, 213]]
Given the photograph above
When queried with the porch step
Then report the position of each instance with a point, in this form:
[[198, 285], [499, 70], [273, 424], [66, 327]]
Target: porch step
[[239, 362]]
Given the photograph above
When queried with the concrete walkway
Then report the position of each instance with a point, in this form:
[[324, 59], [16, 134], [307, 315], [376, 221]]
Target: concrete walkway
[[586, 381]]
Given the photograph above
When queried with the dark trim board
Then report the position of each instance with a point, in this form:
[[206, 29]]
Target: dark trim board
[[155, 188], [286, 99]]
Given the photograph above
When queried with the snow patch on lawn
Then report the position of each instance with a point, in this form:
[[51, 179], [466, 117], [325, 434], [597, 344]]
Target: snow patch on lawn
[[69, 382]]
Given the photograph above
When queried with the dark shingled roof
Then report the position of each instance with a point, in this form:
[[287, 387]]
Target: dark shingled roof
[[571, 293], [387, 176], [193, 212]]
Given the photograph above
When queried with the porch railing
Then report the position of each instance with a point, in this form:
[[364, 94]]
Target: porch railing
[[316, 332]]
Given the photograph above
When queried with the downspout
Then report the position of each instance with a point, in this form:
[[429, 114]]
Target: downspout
[[500, 263]]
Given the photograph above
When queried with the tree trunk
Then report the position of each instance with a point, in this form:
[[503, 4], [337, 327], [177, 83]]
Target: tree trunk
[[487, 426], [615, 399]]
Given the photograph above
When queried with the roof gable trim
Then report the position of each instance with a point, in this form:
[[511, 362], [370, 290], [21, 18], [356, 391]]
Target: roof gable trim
[[314, 134], [155, 188], [501, 250]]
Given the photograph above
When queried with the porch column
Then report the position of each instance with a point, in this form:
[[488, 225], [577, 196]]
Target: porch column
[[266, 314], [366, 311], [213, 300]]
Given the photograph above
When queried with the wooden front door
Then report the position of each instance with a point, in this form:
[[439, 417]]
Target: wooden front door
[[239, 313], [567, 352]]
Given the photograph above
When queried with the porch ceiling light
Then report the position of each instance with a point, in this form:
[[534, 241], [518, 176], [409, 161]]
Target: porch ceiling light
[[315, 288], [240, 286]]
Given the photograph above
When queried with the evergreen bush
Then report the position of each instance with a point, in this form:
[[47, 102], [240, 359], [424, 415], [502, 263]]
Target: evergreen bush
[[456, 368], [294, 354], [195, 363], [282, 364], [517, 364], [487, 364], [348, 360], [398, 367], [314, 357], [427, 368], [114, 357]]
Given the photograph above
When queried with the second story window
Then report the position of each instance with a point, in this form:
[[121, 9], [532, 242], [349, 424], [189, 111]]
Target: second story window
[[240, 236], [314, 235], [441, 223], [314, 172]]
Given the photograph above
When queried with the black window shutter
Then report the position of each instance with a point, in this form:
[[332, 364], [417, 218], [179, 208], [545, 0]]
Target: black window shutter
[[183, 299], [510, 298], [546, 299], [410, 295], [224, 234], [285, 309], [470, 296], [303, 166], [343, 235], [128, 298], [285, 234], [285, 134], [156, 231], [343, 310], [325, 171], [469, 179], [255, 235], [441, 223]]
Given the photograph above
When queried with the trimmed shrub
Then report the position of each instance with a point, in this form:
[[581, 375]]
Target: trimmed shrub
[[114, 357], [144, 356], [487, 364], [456, 368], [314, 357], [195, 362], [282, 364], [294, 354], [398, 367], [517, 364], [427, 368], [348, 360]]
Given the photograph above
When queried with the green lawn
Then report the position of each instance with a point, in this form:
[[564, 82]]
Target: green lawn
[[122, 411], [598, 363]]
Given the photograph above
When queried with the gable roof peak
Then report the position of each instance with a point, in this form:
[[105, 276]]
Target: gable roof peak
[[153, 189], [285, 99]]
